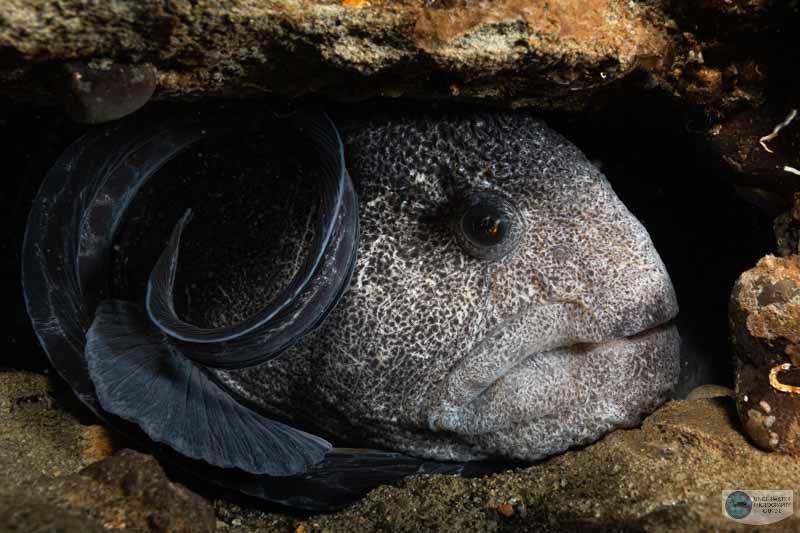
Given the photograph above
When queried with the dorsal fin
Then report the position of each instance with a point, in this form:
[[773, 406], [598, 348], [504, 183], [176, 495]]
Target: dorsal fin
[[313, 292]]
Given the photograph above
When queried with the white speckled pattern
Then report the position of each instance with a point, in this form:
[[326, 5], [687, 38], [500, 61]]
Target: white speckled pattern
[[437, 354]]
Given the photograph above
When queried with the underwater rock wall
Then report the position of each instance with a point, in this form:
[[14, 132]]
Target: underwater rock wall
[[507, 52], [729, 65]]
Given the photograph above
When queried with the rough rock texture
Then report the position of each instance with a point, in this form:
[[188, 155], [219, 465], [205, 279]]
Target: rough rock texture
[[20, 514], [765, 322], [726, 64], [44, 486], [734, 77], [738, 141], [130, 491], [507, 51], [666, 476]]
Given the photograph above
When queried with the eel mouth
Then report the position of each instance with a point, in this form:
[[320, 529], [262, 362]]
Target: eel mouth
[[544, 380], [644, 334]]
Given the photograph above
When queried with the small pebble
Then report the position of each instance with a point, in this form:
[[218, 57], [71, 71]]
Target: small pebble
[[709, 391], [97, 443], [505, 509]]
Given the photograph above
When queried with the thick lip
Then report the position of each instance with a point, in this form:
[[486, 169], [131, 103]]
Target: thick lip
[[569, 396], [497, 355]]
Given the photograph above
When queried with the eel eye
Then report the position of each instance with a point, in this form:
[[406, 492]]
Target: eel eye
[[487, 225]]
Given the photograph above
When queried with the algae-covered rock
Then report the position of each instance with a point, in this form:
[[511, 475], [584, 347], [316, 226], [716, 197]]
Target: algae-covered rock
[[708, 391]]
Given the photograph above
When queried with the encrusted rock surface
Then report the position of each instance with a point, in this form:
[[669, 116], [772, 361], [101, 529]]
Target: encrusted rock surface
[[507, 52], [727, 64], [666, 476], [510, 52], [765, 322]]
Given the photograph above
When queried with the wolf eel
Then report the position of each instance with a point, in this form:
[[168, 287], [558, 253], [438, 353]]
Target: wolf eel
[[445, 290]]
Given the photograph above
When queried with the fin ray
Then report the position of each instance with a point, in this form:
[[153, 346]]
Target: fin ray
[[127, 357]]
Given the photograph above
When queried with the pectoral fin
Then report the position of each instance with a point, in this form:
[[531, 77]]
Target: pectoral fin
[[140, 376]]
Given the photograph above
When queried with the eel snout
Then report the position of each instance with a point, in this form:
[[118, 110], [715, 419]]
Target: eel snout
[[566, 356]]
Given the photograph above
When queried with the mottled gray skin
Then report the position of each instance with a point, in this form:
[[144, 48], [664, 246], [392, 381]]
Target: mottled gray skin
[[438, 354]]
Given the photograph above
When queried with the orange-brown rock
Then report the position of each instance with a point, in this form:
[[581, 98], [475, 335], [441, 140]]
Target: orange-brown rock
[[765, 324]]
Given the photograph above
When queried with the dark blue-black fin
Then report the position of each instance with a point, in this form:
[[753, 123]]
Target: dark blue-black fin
[[345, 475], [71, 226], [309, 297], [140, 376]]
